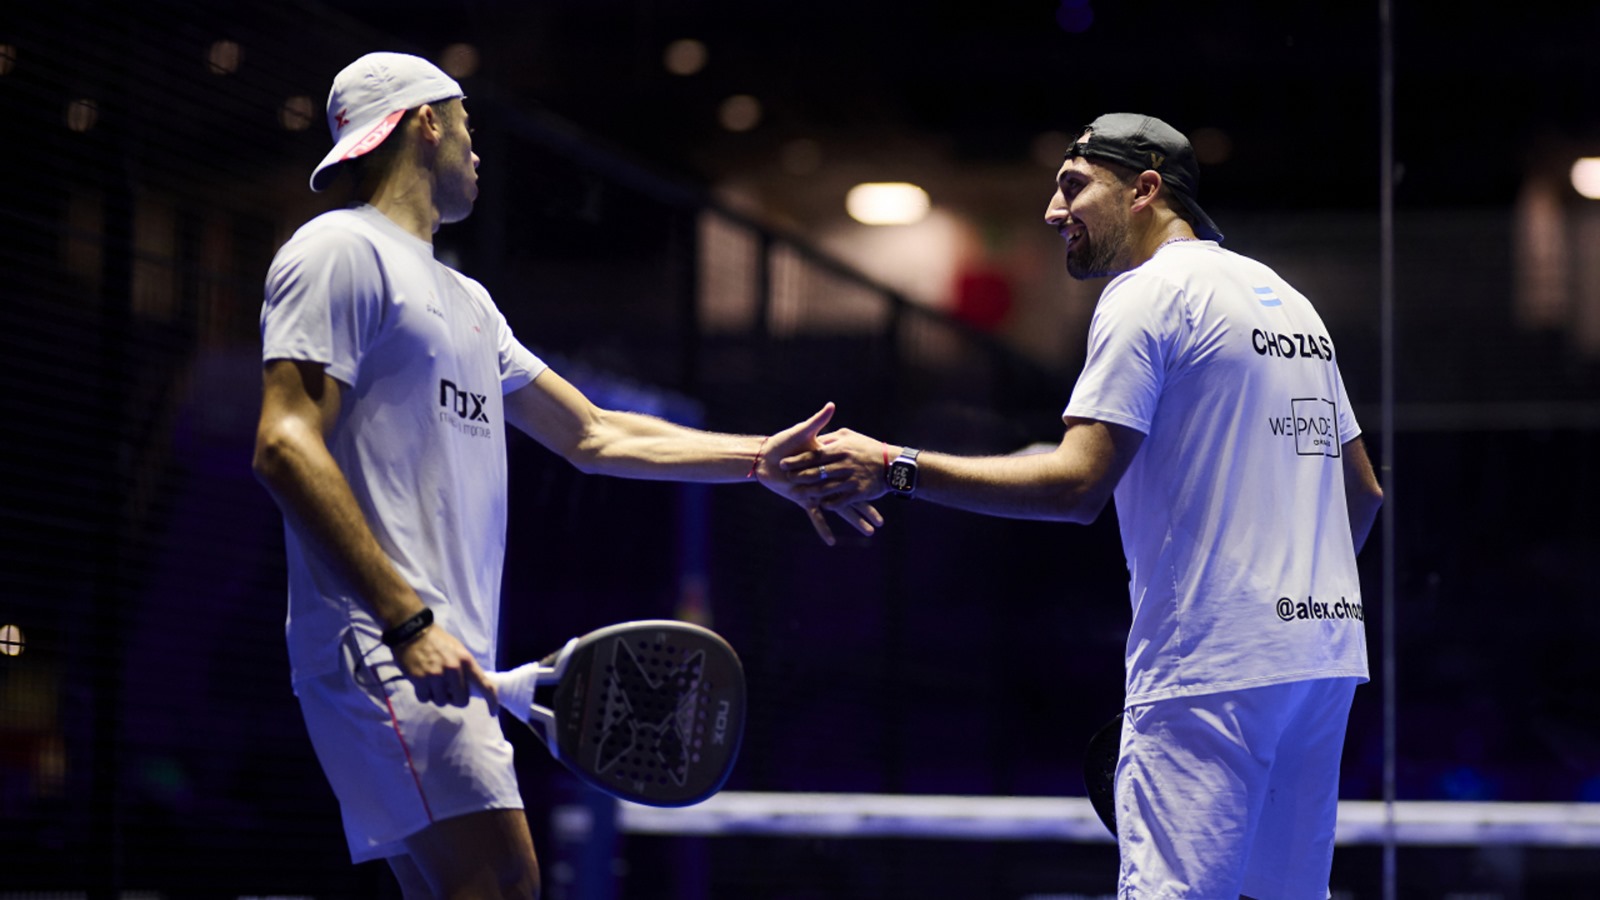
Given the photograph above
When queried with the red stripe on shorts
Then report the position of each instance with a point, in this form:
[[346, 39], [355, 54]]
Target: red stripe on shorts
[[406, 748]]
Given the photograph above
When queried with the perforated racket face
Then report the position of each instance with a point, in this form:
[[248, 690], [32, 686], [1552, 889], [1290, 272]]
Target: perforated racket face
[[651, 712], [1100, 771]]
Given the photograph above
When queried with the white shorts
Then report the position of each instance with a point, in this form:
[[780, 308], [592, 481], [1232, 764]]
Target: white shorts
[[1233, 793], [396, 764]]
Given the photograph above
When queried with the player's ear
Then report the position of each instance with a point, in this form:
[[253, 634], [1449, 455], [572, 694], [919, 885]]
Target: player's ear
[[1146, 187], [430, 124]]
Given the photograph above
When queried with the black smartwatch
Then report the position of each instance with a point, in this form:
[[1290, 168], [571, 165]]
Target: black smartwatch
[[407, 631], [902, 473]]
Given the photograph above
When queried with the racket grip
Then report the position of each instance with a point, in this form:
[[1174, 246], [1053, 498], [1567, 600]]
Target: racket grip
[[516, 688]]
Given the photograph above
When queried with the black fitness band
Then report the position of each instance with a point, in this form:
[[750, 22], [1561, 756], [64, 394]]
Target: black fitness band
[[408, 630]]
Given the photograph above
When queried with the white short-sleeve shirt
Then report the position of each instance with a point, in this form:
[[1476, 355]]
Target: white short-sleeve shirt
[[1233, 517], [426, 358]]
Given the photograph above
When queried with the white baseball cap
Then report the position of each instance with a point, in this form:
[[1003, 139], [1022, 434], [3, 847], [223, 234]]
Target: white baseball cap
[[369, 97]]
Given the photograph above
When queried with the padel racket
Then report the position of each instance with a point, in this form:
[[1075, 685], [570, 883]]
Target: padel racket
[[1100, 771], [650, 711]]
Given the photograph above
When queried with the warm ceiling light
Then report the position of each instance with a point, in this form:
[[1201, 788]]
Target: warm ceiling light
[[741, 112], [1586, 177], [886, 203], [1049, 149], [684, 57], [224, 57], [297, 113], [82, 114], [459, 60], [1212, 146], [11, 642]]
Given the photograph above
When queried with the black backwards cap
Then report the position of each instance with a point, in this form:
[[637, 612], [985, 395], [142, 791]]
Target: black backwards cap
[[1145, 142]]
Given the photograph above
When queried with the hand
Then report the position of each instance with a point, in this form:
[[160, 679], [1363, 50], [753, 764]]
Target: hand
[[845, 469], [442, 670], [801, 438]]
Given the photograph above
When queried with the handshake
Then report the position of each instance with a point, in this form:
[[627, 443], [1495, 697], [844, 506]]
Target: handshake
[[841, 472]]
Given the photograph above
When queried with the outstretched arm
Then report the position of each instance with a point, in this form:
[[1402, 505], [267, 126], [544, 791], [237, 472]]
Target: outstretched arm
[[631, 445], [299, 406], [1070, 483]]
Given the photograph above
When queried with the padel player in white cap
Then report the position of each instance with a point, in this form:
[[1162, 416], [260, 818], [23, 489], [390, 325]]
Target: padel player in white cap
[[389, 382], [368, 100], [1212, 407]]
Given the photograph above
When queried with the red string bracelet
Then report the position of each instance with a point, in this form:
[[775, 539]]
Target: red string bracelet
[[756, 463]]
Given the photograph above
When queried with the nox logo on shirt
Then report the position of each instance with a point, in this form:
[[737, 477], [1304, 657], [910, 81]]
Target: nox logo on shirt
[[460, 409], [465, 404]]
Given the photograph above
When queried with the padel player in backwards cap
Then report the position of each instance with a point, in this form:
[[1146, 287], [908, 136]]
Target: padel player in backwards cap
[[1212, 408]]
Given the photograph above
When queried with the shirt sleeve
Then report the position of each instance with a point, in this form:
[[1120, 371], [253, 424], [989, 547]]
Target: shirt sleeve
[[1349, 429], [518, 365], [323, 302], [1132, 343]]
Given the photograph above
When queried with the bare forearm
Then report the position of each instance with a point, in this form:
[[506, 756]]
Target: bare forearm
[[631, 445], [1363, 495], [1363, 507], [1070, 483], [1018, 487], [308, 486]]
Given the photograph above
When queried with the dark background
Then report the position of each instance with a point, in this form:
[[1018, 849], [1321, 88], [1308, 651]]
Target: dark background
[[148, 737]]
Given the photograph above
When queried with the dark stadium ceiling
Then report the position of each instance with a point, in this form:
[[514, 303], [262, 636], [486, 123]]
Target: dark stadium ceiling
[[1289, 90]]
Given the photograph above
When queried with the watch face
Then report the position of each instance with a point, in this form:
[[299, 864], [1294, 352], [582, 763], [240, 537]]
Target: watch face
[[902, 476]]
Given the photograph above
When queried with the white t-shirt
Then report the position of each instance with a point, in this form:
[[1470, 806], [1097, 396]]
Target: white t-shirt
[[426, 358], [1233, 514]]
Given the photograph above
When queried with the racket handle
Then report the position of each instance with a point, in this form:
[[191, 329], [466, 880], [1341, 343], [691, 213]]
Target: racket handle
[[516, 687]]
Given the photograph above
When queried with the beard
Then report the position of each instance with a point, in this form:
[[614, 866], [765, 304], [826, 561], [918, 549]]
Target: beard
[[454, 207], [454, 197], [455, 181], [1090, 257]]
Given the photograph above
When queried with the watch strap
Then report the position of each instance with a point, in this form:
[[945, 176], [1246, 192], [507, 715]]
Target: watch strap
[[907, 460]]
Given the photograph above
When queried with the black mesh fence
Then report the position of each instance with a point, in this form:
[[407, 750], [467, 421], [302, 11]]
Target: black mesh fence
[[156, 156]]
